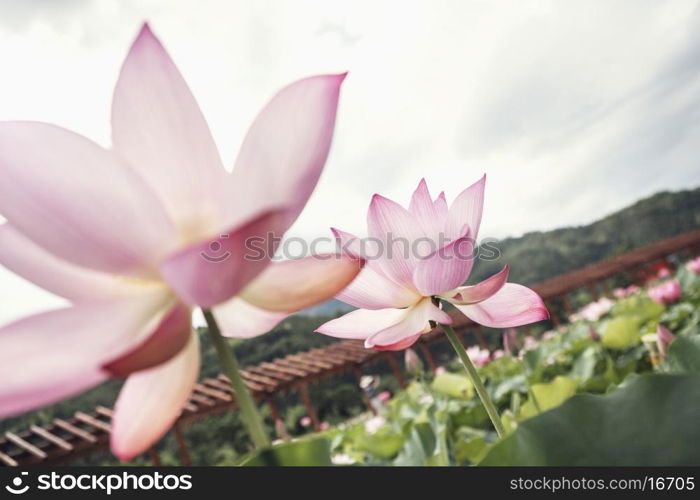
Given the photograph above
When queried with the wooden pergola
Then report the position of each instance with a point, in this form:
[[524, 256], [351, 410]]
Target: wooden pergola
[[87, 432]]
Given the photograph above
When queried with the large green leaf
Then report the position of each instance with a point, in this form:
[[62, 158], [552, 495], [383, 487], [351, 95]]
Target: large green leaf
[[453, 385], [303, 452], [684, 355], [549, 395], [651, 420], [621, 332]]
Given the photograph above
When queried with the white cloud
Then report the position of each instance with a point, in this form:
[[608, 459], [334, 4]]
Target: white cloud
[[574, 109]]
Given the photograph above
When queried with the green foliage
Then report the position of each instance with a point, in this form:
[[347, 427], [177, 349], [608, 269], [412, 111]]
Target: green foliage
[[650, 421], [546, 396]]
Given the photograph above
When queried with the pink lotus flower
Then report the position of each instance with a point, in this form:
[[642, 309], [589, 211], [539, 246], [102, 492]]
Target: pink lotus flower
[[666, 293], [324, 426], [694, 265], [127, 235], [305, 421], [396, 289]]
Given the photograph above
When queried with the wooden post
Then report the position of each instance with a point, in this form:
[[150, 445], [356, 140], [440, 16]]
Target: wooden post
[[185, 458], [368, 402], [479, 332], [594, 292], [553, 315], [276, 418], [606, 288], [155, 459], [306, 399], [428, 356], [396, 369], [567, 304]]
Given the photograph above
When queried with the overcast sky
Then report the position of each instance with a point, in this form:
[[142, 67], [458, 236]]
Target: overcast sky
[[574, 109]]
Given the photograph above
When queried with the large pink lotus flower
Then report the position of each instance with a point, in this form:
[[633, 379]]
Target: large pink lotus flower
[[666, 293], [396, 290], [137, 235]]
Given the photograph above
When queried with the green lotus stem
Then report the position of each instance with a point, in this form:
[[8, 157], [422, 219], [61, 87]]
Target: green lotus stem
[[476, 380], [229, 364]]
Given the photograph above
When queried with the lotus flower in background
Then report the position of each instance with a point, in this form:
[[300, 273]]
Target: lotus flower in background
[[127, 234], [694, 265], [396, 290], [666, 293], [479, 356], [593, 311]]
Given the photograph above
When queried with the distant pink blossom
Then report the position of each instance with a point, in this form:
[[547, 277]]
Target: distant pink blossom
[[667, 292], [550, 334], [440, 370], [396, 290], [664, 272], [305, 421], [479, 356], [384, 396], [595, 310], [498, 353], [694, 265], [324, 426]]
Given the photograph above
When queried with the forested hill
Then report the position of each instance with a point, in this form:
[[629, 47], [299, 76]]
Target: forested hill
[[541, 255]]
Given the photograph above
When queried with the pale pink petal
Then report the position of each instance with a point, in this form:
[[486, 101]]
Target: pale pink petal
[[466, 211], [350, 244], [54, 355], [415, 320], [159, 129], [446, 269], [402, 240], [294, 285], [168, 338], [286, 148], [79, 201], [362, 323], [481, 291], [513, 305], [239, 319], [400, 345], [373, 290], [77, 284], [151, 401], [425, 212], [211, 272], [441, 210]]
